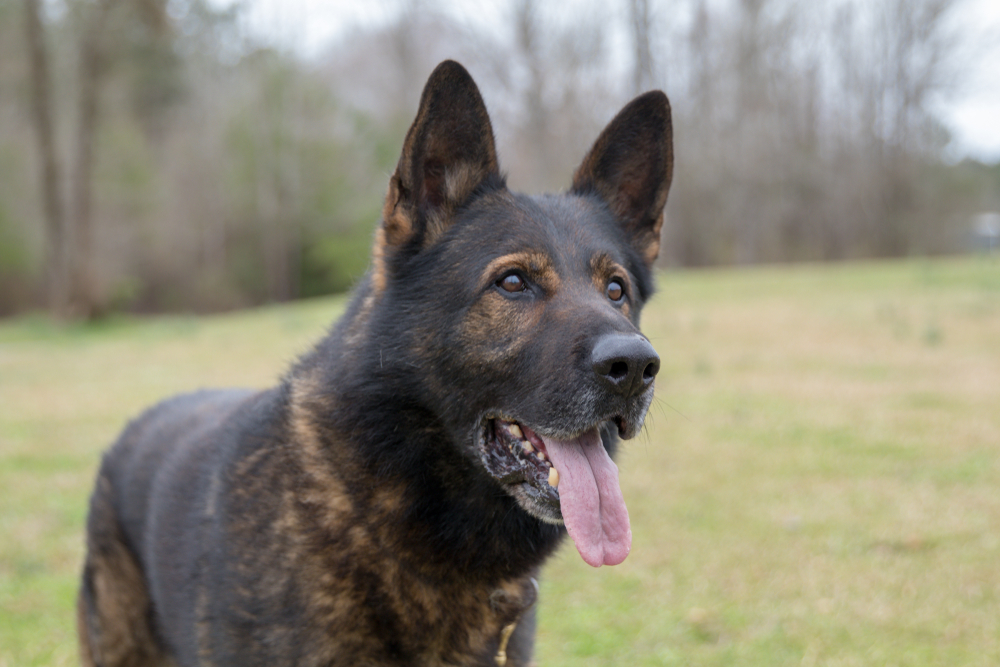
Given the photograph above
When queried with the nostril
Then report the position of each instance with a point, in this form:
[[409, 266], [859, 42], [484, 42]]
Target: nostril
[[624, 363], [618, 370]]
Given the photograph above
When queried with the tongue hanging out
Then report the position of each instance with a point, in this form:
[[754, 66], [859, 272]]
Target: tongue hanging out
[[590, 499]]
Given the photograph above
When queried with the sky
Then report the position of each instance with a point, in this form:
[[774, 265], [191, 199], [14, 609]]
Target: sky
[[971, 113]]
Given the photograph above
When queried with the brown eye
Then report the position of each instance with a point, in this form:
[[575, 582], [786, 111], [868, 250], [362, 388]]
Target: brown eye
[[615, 290], [511, 283]]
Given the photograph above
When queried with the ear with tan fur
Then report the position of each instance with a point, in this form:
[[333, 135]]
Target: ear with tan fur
[[449, 151], [630, 167]]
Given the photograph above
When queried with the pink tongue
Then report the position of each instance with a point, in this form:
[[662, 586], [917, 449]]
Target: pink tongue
[[591, 500]]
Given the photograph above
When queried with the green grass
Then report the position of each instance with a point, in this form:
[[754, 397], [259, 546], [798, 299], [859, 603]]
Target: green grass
[[818, 483]]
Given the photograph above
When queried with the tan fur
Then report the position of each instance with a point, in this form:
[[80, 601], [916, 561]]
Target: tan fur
[[113, 624], [495, 330], [603, 270], [379, 268], [536, 265], [300, 526], [371, 530], [83, 632], [397, 221], [651, 249]]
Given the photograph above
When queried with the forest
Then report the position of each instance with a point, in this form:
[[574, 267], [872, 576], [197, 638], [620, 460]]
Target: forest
[[158, 155]]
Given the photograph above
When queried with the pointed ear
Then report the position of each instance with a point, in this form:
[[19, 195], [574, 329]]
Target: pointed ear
[[630, 167], [449, 151]]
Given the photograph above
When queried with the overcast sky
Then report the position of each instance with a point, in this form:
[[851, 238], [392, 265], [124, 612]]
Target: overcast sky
[[972, 113]]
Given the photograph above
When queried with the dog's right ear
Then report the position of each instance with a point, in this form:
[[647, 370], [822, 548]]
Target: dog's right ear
[[449, 151]]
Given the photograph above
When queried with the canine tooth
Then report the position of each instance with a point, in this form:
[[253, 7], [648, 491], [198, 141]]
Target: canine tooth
[[515, 430], [553, 477], [527, 446]]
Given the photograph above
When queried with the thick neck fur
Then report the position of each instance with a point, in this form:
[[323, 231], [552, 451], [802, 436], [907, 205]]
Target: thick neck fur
[[366, 400]]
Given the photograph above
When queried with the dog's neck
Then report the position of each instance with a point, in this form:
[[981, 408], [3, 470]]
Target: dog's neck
[[397, 459]]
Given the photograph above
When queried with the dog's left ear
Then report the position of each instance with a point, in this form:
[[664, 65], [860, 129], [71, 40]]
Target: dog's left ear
[[449, 151], [630, 167]]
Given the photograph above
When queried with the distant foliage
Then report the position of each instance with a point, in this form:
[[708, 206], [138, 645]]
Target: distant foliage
[[223, 173]]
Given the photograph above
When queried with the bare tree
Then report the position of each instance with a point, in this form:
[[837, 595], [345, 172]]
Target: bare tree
[[916, 40], [56, 273], [803, 134], [642, 72], [93, 65], [558, 87], [98, 23]]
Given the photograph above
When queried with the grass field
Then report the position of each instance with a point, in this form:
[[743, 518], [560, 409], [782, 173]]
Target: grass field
[[818, 482]]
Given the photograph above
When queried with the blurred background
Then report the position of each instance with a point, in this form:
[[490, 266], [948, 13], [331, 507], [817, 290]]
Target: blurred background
[[186, 155], [817, 480]]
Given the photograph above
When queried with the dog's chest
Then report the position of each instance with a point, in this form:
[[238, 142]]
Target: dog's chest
[[395, 619]]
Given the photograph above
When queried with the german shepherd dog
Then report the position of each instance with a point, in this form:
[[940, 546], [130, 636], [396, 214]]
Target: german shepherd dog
[[392, 500]]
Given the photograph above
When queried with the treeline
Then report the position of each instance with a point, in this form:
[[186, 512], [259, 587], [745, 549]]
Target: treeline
[[155, 156]]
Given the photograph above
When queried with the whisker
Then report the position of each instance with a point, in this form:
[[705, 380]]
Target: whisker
[[658, 400]]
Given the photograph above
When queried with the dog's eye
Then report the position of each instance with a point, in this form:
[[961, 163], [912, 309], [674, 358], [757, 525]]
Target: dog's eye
[[615, 290], [511, 283]]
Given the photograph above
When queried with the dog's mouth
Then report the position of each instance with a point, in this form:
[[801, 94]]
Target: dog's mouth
[[562, 480]]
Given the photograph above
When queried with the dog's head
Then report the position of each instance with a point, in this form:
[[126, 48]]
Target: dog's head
[[523, 312]]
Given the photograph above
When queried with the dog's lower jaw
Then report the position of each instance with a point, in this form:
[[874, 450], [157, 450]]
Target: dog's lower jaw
[[544, 512], [523, 470]]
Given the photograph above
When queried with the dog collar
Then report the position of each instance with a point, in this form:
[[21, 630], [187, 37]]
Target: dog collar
[[508, 630]]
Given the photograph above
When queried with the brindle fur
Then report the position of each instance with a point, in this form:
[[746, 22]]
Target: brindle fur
[[344, 517]]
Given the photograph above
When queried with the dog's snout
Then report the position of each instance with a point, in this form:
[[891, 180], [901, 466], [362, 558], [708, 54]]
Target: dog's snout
[[625, 363]]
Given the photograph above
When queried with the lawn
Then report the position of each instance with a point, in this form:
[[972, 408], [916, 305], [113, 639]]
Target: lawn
[[818, 482]]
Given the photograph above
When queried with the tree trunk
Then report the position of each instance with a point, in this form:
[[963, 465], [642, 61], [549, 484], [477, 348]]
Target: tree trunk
[[92, 68], [642, 68], [57, 247]]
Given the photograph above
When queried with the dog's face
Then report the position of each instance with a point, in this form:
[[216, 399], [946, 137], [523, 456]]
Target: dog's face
[[535, 360]]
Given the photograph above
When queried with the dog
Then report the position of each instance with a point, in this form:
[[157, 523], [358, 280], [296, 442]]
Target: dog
[[392, 500]]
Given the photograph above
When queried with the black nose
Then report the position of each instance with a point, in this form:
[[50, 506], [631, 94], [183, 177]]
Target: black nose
[[625, 363]]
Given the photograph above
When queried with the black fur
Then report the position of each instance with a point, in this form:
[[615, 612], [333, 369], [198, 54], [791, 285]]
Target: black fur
[[346, 516]]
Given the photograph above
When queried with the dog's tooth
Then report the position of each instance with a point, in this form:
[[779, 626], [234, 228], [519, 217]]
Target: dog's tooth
[[553, 477], [527, 446], [541, 455], [515, 430]]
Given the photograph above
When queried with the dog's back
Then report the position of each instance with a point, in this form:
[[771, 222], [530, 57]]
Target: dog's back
[[154, 471]]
